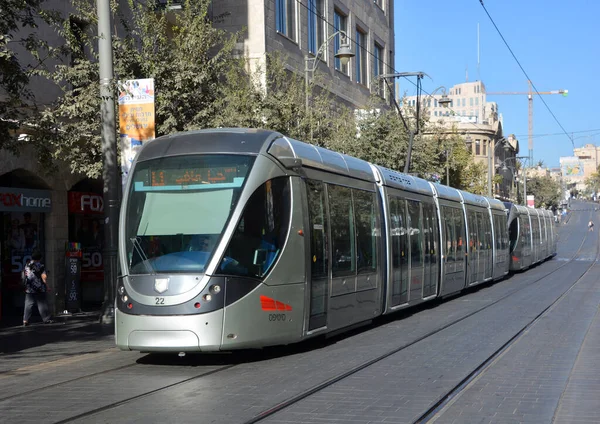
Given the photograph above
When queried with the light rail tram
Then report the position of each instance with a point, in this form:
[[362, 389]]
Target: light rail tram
[[243, 238]]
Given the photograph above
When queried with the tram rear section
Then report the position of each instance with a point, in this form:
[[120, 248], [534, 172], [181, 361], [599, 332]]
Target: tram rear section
[[245, 238]]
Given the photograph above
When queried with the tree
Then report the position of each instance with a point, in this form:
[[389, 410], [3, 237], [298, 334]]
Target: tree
[[184, 53], [18, 58], [546, 191]]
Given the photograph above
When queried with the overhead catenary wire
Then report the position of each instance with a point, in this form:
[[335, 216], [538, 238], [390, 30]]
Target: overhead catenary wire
[[525, 73]]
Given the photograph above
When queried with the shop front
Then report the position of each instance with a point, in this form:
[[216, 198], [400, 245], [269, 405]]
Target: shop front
[[22, 214], [86, 227]]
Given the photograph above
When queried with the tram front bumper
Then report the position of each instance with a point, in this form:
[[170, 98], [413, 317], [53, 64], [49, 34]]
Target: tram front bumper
[[181, 333]]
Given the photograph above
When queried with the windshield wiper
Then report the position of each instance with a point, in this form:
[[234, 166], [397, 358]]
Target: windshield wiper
[[140, 250]]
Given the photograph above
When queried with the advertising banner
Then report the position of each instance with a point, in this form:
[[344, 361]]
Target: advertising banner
[[531, 200], [25, 200], [73, 276], [571, 166], [136, 118]]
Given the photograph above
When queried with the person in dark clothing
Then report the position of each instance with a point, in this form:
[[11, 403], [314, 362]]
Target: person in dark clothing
[[36, 288]]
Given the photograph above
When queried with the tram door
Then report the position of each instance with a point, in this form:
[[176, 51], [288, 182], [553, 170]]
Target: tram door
[[319, 261], [430, 249], [488, 245], [399, 237]]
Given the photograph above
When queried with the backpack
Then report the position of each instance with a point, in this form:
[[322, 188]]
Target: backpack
[[24, 274]]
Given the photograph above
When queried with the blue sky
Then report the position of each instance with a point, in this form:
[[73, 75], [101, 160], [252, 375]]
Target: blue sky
[[557, 43]]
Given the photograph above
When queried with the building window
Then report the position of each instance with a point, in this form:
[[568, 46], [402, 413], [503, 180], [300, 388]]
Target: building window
[[340, 23], [361, 57], [471, 101], [476, 101], [484, 149], [285, 17], [477, 147], [378, 68], [464, 102], [316, 20], [435, 113]]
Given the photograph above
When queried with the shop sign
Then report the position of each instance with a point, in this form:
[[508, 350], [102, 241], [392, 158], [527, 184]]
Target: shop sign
[[86, 203], [25, 200]]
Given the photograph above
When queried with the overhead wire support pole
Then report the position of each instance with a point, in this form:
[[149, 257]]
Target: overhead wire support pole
[[109, 152], [411, 133]]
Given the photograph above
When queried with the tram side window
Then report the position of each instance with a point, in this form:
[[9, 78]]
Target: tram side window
[[365, 208], [460, 238], [399, 233], [416, 234], [261, 231], [473, 243], [316, 202], [497, 232], [342, 231], [449, 230]]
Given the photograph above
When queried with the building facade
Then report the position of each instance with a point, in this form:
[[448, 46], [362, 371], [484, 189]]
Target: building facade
[[479, 123], [301, 29]]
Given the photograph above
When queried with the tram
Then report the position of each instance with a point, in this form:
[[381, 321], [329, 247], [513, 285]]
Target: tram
[[245, 238]]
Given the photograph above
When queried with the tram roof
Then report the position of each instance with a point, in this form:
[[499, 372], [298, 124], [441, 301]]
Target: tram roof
[[319, 158], [405, 182], [474, 199], [447, 193], [208, 141]]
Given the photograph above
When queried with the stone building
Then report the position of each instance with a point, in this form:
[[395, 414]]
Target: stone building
[[479, 122], [300, 28]]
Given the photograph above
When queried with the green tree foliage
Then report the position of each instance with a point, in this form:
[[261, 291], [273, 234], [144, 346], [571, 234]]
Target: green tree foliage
[[546, 191], [18, 58], [184, 53]]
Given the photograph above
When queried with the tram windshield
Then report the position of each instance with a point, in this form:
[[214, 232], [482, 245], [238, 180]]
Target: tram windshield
[[177, 210]]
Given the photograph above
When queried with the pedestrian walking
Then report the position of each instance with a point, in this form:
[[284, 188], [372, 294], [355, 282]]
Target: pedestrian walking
[[590, 226], [36, 288]]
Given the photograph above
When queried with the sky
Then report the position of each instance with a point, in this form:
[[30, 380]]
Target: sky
[[556, 42]]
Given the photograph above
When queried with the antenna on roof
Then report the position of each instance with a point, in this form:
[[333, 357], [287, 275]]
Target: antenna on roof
[[478, 74]]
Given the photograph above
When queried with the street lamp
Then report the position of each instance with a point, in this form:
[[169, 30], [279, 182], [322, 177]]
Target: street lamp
[[344, 54]]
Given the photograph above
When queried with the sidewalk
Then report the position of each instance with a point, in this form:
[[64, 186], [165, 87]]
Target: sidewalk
[[17, 321], [67, 336]]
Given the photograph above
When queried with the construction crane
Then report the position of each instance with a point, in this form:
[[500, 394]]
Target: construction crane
[[530, 97]]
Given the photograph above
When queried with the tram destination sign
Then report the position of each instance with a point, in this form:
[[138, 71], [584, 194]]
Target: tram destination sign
[[189, 176], [25, 200]]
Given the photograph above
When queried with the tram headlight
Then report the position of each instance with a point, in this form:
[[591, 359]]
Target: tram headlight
[[121, 290], [207, 297], [124, 298], [215, 288]]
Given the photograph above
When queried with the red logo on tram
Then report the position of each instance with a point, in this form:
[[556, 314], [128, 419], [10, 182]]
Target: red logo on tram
[[268, 304]]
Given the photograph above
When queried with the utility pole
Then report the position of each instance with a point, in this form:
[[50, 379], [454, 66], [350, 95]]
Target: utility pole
[[489, 157], [109, 152]]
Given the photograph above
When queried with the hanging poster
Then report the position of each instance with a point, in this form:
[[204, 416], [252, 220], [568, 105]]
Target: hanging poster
[[136, 119]]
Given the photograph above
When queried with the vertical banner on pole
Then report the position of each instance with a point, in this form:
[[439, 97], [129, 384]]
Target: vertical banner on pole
[[136, 119]]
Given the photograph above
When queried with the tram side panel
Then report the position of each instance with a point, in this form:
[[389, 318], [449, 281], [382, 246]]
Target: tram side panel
[[414, 259], [354, 255], [479, 265], [453, 247], [274, 311], [501, 245]]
